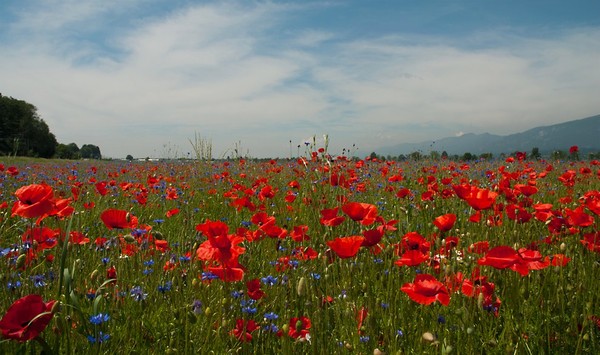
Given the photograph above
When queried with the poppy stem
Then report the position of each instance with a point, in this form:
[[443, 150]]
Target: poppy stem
[[63, 259], [45, 347]]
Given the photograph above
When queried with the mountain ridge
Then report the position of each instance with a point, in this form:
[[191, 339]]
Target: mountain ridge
[[584, 133]]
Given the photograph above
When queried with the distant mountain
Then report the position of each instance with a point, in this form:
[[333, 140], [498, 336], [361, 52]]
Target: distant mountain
[[585, 133]]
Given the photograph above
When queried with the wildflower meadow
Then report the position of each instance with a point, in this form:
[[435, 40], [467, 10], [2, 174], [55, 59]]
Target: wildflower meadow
[[311, 255]]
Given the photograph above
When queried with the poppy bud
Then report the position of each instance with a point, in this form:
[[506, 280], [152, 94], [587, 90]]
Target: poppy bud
[[129, 238], [349, 346], [21, 261], [55, 308], [207, 311], [480, 300], [563, 247], [158, 236], [195, 282], [376, 351], [301, 289], [428, 337]]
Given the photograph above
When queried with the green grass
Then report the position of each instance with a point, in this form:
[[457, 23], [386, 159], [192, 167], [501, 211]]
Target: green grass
[[547, 311]]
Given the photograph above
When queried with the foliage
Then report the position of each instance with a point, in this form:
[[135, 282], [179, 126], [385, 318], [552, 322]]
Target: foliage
[[22, 131]]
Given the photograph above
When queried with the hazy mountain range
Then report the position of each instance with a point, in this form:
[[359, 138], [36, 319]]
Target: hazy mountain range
[[585, 133]]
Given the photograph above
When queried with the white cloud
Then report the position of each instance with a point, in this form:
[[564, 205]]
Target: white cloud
[[224, 71]]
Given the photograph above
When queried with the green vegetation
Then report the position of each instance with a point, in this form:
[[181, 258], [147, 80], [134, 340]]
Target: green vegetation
[[519, 271], [24, 133]]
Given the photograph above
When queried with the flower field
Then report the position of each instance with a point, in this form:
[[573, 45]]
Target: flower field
[[316, 255]]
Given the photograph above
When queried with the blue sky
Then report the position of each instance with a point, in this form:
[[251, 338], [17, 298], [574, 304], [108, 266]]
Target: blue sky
[[143, 77]]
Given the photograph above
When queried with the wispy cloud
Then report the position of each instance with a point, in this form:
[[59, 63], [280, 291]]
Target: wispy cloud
[[132, 80]]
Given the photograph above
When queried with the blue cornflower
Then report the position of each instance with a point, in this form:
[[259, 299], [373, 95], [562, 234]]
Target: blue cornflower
[[105, 260], [385, 305], [166, 287], [13, 285], [99, 318], [184, 258], [138, 232], [247, 306], [269, 280], [207, 275], [237, 294], [39, 280], [271, 316], [101, 338], [271, 328], [197, 307], [293, 263], [441, 319], [364, 338], [149, 262], [399, 333], [315, 276], [138, 294], [147, 271], [158, 221]]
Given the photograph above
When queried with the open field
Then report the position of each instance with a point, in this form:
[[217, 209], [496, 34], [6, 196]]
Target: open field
[[318, 255]]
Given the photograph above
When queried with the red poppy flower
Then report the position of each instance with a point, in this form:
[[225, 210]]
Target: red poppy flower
[[172, 212], [330, 218], [445, 222], [481, 199], [479, 247], [78, 238], [111, 273], [228, 274], [503, 257], [365, 213], [592, 241], [254, 290], [346, 247], [33, 201], [426, 289], [372, 237], [299, 327], [222, 248], [533, 259], [412, 258], [298, 234], [557, 260], [26, 318], [578, 217], [243, 329], [118, 219], [414, 241], [361, 315], [574, 149], [44, 237]]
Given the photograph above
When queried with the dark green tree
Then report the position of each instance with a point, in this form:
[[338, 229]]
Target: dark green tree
[[90, 151], [22, 131], [468, 157], [129, 157], [67, 151], [535, 153]]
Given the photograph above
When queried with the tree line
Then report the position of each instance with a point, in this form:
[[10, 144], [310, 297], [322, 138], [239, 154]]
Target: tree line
[[24, 133]]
